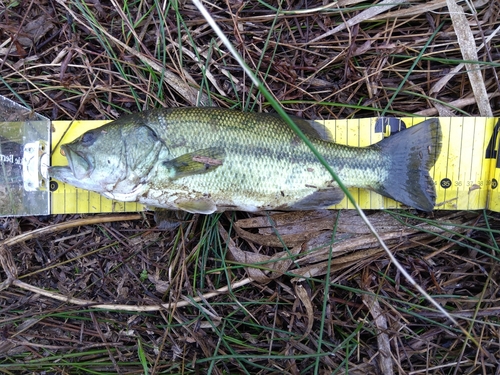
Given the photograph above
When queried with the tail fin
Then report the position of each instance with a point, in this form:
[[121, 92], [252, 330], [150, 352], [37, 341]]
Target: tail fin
[[412, 153]]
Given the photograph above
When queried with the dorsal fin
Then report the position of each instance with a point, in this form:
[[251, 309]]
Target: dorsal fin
[[311, 128]]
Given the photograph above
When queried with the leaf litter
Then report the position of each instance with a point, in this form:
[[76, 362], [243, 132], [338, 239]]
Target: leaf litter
[[263, 293]]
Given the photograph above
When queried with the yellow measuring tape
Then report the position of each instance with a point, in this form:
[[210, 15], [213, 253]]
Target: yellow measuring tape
[[466, 173]]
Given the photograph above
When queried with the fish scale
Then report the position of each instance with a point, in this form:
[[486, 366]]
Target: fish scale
[[210, 159], [274, 149]]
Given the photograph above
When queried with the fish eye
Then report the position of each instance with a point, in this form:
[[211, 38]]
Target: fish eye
[[88, 138]]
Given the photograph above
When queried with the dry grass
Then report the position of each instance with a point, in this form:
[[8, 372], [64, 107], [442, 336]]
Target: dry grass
[[98, 60]]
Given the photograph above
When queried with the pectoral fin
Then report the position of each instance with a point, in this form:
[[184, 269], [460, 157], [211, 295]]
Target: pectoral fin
[[197, 162]]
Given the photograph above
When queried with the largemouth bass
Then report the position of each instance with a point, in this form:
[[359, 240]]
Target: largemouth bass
[[204, 160]]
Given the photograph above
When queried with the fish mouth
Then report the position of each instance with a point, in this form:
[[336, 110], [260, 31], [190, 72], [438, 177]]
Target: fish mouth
[[78, 163]]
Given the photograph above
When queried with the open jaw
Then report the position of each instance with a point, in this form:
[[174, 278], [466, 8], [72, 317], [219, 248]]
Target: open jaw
[[76, 173], [80, 166]]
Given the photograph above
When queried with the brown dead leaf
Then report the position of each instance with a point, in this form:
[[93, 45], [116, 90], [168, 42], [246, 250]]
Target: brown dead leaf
[[293, 228], [366, 14], [266, 267], [467, 45], [34, 30], [312, 232], [305, 298], [314, 227], [335, 264], [384, 347], [161, 286]]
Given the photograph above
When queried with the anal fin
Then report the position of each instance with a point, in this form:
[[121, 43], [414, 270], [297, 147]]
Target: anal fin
[[319, 199], [197, 206]]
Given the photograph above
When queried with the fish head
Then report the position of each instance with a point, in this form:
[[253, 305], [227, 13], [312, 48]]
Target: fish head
[[112, 158]]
